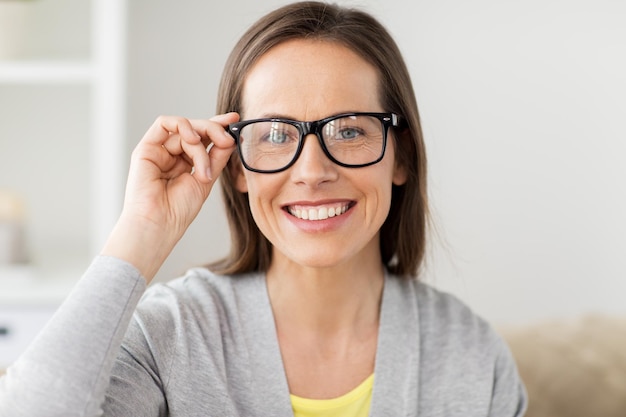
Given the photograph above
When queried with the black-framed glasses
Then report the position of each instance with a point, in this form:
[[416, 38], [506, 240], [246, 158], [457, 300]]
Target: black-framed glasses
[[351, 140]]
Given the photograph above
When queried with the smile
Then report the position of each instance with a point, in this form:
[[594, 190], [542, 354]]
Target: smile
[[318, 212]]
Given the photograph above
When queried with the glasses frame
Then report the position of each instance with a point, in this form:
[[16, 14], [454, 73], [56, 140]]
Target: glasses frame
[[314, 127]]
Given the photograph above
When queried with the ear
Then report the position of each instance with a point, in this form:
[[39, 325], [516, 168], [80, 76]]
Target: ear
[[399, 174], [239, 177]]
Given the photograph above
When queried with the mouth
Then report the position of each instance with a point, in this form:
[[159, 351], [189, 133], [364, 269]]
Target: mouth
[[318, 212]]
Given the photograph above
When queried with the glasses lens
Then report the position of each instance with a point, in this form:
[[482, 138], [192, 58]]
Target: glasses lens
[[354, 140], [268, 146]]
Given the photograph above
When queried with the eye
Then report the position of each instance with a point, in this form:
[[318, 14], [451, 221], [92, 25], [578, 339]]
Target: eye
[[348, 133], [277, 134], [277, 137]]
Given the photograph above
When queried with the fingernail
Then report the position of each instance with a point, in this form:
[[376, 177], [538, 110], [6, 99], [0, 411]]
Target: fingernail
[[208, 174]]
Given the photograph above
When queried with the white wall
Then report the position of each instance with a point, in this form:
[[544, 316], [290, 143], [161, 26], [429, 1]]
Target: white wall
[[524, 112]]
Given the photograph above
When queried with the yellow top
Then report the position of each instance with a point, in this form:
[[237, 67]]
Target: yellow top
[[356, 403]]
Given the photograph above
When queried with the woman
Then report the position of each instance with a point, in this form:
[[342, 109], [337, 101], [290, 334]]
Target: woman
[[315, 311]]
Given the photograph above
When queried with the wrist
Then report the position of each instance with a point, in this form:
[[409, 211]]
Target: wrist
[[143, 244]]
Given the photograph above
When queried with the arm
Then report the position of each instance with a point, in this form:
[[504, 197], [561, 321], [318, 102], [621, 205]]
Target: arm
[[66, 370], [137, 383], [509, 394]]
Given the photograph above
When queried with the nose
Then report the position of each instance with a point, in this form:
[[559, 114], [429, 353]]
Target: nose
[[313, 166]]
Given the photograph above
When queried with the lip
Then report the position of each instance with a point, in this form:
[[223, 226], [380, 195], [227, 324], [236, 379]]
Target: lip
[[318, 225]]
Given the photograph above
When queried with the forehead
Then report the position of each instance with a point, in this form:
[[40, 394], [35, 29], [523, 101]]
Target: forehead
[[310, 79]]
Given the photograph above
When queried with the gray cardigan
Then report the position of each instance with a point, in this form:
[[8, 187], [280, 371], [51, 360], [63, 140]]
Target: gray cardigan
[[205, 345]]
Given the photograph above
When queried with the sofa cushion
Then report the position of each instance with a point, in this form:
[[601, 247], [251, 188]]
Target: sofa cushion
[[572, 368]]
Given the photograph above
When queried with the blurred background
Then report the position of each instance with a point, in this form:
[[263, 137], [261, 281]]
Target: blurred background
[[523, 107]]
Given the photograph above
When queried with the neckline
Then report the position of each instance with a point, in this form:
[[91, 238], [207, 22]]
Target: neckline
[[397, 353], [324, 404]]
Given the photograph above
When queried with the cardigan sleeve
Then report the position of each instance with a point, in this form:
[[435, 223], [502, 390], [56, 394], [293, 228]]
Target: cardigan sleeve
[[66, 370], [509, 394], [140, 372], [135, 388]]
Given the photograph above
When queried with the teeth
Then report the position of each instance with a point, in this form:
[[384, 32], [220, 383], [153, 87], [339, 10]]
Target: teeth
[[321, 213]]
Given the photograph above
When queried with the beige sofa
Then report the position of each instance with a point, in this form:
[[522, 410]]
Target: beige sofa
[[574, 367]]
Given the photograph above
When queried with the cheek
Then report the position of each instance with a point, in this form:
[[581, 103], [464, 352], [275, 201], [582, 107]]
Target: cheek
[[386, 182], [377, 190], [262, 198], [262, 190], [259, 214]]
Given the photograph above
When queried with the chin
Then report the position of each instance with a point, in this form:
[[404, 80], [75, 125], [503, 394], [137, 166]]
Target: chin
[[325, 258]]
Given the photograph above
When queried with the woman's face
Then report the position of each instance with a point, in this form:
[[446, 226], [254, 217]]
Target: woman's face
[[309, 80]]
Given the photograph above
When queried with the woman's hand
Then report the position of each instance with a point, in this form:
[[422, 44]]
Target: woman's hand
[[171, 176]]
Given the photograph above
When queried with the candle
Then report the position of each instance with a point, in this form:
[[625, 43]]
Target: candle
[[11, 228]]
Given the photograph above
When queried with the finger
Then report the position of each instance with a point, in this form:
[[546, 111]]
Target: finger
[[164, 126], [214, 129], [220, 144], [226, 118], [179, 167], [179, 137], [218, 157], [173, 144], [163, 142], [183, 142]]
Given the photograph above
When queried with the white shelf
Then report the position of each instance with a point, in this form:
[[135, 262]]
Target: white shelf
[[94, 84], [28, 72]]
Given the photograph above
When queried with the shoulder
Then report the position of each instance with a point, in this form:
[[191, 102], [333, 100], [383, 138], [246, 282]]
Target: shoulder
[[442, 312], [449, 330], [198, 305], [461, 354], [190, 310], [438, 313], [202, 291]]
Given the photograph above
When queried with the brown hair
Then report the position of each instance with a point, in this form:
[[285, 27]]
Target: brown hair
[[402, 235]]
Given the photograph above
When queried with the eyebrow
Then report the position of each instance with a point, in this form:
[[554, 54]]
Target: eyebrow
[[283, 116], [275, 116]]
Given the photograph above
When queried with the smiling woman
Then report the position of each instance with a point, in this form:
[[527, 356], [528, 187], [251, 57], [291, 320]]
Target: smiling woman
[[317, 310]]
